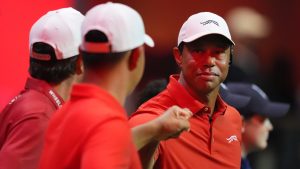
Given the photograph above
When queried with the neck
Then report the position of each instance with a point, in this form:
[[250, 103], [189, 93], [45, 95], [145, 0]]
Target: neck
[[113, 80], [244, 151], [64, 88], [206, 98]]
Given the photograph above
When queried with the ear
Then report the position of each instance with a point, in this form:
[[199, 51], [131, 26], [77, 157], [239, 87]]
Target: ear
[[133, 58], [177, 56], [243, 124], [79, 65]]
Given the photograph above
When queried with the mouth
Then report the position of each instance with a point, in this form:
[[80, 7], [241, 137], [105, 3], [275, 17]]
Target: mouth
[[207, 75]]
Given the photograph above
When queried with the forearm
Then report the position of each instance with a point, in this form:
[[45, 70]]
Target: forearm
[[148, 135], [145, 133]]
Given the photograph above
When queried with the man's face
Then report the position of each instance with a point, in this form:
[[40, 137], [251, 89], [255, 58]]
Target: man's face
[[256, 133], [205, 62]]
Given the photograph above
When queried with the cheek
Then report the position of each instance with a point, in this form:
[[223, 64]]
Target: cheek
[[223, 61], [188, 65], [256, 137], [249, 134], [223, 68], [142, 66], [261, 138], [222, 64]]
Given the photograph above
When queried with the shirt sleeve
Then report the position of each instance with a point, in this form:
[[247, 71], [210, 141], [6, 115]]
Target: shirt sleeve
[[141, 117], [109, 145], [24, 143]]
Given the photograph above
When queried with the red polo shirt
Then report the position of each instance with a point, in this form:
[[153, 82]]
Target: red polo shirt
[[91, 131], [212, 143], [23, 123]]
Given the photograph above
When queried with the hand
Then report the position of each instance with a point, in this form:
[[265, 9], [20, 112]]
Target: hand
[[173, 122]]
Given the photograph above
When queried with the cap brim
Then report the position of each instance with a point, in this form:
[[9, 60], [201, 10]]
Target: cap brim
[[275, 109], [235, 100], [149, 41], [199, 35]]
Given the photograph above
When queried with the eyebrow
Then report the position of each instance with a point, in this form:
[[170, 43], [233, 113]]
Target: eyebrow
[[199, 45]]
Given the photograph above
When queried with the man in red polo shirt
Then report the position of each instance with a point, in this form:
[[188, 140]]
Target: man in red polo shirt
[[91, 130], [214, 141], [54, 66]]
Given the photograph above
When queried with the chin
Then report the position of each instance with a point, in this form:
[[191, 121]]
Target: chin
[[263, 146]]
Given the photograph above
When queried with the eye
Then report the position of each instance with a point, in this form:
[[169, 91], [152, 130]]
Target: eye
[[219, 51], [197, 50]]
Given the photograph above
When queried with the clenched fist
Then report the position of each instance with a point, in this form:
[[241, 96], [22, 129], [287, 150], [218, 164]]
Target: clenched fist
[[172, 123]]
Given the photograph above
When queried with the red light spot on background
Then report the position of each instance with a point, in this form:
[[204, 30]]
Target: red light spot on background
[[16, 21]]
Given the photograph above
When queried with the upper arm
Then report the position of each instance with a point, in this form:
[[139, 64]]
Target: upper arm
[[24, 142], [142, 117]]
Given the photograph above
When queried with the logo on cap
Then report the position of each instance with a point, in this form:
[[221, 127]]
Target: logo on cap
[[209, 22]]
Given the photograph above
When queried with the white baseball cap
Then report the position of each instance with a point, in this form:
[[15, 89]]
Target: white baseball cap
[[61, 30], [201, 24], [122, 25]]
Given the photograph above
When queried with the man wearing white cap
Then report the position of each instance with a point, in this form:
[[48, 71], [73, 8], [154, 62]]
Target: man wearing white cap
[[54, 66], [91, 130], [214, 141]]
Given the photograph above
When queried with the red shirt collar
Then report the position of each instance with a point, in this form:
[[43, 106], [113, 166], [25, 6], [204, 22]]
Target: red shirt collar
[[43, 87], [184, 99], [85, 90]]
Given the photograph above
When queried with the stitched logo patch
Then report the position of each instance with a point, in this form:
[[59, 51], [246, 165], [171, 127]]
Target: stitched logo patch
[[232, 138], [209, 22]]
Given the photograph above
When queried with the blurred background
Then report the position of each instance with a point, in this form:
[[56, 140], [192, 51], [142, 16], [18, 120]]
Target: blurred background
[[266, 52]]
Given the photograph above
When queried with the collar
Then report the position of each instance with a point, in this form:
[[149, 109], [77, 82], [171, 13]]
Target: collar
[[85, 90], [45, 88], [184, 99]]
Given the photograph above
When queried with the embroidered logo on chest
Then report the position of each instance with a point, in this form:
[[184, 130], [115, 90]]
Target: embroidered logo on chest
[[232, 138]]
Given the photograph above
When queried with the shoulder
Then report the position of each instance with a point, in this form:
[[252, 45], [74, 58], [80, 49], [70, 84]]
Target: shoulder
[[92, 111], [158, 103], [232, 111], [151, 109], [29, 104], [233, 114]]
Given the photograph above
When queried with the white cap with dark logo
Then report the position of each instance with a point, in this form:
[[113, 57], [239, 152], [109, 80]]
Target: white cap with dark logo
[[59, 29], [202, 24], [122, 25]]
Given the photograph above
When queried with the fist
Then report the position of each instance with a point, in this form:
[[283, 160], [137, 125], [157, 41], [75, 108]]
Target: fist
[[173, 122]]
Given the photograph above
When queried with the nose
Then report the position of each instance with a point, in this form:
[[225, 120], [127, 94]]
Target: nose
[[269, 125], [209, 60]]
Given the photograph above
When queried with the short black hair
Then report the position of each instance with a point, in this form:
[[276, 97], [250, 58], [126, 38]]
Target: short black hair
[[96, 60], [53, 71]]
